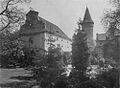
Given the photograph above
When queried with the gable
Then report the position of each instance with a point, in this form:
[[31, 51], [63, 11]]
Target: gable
[[41, 25]]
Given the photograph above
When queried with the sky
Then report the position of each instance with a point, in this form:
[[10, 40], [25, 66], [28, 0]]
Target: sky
[[65, 13]]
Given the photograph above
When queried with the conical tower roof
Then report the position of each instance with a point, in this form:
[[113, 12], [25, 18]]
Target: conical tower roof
[[87, 17]]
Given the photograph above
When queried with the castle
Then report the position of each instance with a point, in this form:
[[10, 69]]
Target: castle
[[107, 42], [41, 34]]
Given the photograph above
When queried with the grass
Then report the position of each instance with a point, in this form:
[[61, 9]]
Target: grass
[[16, 78]]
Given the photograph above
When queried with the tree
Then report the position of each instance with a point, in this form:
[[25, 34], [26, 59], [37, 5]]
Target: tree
[[49, 68], [111, 18], [80, 57], [11, 14], [80, 53], [13, 51], [111, 22], [111, 80], [9, 49]]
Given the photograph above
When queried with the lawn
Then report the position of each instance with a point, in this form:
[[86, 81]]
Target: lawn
[[15, 78]]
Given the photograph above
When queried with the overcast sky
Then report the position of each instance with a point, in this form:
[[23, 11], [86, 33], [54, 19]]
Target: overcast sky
[[65, 13]]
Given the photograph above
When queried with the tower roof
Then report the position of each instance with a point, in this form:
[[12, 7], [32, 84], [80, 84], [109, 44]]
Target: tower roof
[[87, 17]]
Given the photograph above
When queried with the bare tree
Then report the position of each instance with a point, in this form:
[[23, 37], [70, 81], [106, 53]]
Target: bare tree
[[115, 3], [11, 14], [111, 19]]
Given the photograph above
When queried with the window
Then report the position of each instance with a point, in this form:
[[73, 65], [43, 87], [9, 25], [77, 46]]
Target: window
[[100, 43], [30, 40], [57, 38], [57, 31]]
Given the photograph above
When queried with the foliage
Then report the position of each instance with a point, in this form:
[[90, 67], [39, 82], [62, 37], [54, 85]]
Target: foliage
[[111, 51], [61, 83], [9, 47], [92, 83], [49, 68], [111, 19], [95, 58], [115, 3], [13, 51], [80, 57], [11, 14], [80, 53], [109, 78]]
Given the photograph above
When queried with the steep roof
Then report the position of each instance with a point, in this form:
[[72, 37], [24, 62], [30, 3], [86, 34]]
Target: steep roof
[[53, 29], [87, 17], [49, 27]]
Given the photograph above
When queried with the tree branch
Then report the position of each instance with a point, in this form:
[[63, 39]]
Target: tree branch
[[5, 27], [5, 7]]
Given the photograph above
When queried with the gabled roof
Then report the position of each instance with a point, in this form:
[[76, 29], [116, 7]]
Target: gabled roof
[[87, 18], [49, 28], [53, 29]]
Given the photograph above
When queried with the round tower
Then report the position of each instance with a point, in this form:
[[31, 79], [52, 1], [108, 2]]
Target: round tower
[[87, 26]]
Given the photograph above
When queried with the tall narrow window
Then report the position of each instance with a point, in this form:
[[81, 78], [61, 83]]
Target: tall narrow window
[[31, 40]]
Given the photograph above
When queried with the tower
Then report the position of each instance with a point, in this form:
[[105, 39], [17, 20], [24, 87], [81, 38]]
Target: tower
[[87, 26]]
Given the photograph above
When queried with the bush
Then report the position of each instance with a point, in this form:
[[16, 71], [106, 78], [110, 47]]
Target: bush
[[49, 68], [110, 78]]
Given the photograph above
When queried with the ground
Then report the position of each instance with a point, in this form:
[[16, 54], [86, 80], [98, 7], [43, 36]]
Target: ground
[[15, 78]]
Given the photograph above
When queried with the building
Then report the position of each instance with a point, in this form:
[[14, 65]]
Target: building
[[41, 34], [101, 39], [87, 26], [107, 42]]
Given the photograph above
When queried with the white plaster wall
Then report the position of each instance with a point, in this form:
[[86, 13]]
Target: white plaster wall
[[64, 43]]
